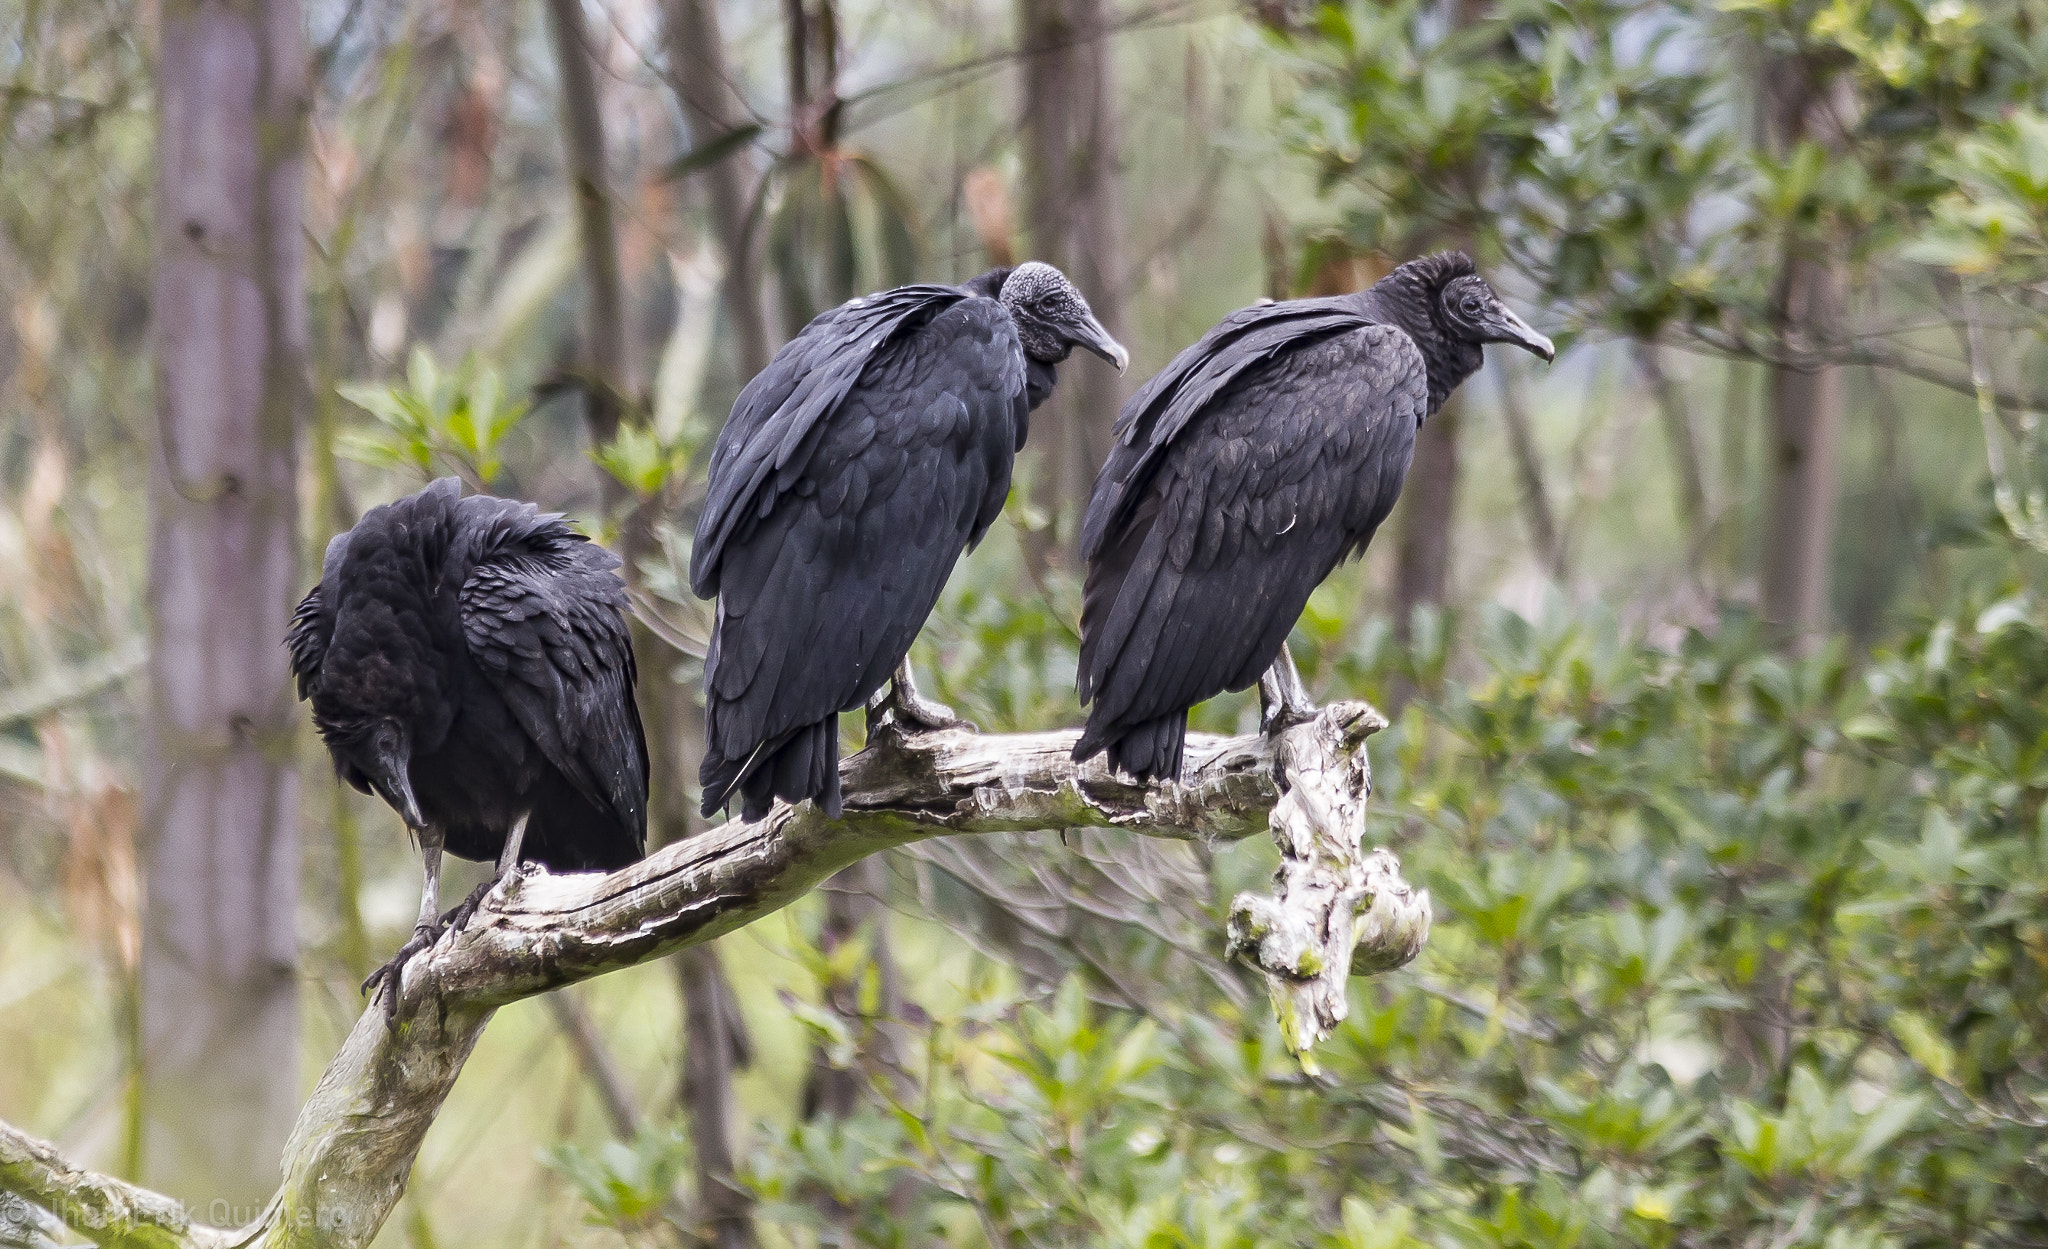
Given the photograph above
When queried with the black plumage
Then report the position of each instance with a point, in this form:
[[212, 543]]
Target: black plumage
[[468, 661], [851, 475], [1243, 473]]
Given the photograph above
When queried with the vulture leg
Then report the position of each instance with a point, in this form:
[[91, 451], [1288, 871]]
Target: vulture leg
[[391, 975], [508, 858], [909, 708], [508, 862], [1283, 699]]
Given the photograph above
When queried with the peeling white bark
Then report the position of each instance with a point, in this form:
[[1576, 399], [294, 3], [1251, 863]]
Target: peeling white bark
[[1335, 911]]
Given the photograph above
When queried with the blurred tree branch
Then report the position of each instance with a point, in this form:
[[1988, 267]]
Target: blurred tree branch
[[604, 368], [72, 684], [713, 108], [102, 1209], [1336, 909]]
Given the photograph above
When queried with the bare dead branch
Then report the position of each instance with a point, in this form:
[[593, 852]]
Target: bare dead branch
[[1335, 911], [76, 683], [104, 1210]]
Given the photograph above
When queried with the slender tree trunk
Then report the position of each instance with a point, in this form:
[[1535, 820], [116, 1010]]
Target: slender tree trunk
[[1542, 521], [715, 1045], [220, 1001], [595, 1057], [1071, 209], [852, 904], [1422, 560], [712, 107], [1676, 416], [604, 361], [1428, 506], [1805, 399], [672, 721], [715, 1042], [1806, 424]]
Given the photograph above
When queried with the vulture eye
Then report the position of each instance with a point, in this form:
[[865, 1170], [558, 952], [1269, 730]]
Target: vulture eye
[[1470, 305]]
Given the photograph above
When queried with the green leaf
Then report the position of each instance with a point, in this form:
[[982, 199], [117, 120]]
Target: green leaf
[[1882, 1127], [896, 219], [711, 151], [1923, 1044]]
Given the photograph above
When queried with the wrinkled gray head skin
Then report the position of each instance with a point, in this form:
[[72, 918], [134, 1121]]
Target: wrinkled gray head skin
[[1053, 318], [1451, 313], [1469, 308]]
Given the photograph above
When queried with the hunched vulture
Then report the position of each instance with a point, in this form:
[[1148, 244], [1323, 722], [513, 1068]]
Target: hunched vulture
[[468, 661]]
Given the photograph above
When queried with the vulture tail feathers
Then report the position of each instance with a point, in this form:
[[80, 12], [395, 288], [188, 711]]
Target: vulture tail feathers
[[803, 765], [1146, 751]]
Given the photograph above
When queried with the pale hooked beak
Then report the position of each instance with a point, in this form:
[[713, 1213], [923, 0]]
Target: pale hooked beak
[[1090, 334], [1506, 327], [392, 761]]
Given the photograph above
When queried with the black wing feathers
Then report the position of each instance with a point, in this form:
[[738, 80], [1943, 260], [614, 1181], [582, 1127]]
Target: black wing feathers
[[312, 627], [776, 421], [844, 550], [1246, 490], [306, 639], [494, 637], [1177, 394], [543, 615]]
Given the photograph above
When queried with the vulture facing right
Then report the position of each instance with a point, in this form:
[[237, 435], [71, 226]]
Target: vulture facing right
[[854, 470], [1243, 473]]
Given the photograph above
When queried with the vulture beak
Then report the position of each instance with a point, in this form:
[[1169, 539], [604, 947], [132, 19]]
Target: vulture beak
[[390, 765], [1088, 333], [1506, 327]]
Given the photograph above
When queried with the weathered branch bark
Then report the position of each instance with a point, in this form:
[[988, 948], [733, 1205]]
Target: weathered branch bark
[[1335, 911], [1339, 912], [103, 1210]]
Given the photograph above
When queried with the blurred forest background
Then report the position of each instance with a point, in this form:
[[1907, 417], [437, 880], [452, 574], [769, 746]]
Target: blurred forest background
[[1717, 653]]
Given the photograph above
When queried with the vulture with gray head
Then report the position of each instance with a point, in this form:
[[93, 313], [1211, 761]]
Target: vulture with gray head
[[1243, 473], [854, 470]]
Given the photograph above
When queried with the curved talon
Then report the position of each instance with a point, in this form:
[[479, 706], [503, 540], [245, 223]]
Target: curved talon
[[900, 704], [1277, 718], [930, 716], [391, 976], [1283, 700], [458, 918]]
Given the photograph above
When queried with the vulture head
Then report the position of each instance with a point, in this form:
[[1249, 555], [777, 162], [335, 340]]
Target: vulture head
[[381, 684], [1452, 313], [1470, 310], [374, 754], [1052, 318]]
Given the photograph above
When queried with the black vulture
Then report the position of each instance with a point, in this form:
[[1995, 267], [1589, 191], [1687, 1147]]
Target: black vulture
[[468, 662], [1247, 470], [854, 470]]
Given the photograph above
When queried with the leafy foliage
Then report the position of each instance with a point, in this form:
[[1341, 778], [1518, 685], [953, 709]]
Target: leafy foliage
[[435, 420], [1730, 947], [1604, 146]]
